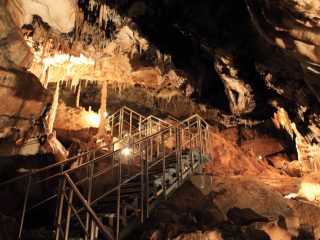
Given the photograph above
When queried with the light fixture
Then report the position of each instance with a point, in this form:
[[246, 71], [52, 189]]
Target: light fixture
[[126, 151], [93, 119]]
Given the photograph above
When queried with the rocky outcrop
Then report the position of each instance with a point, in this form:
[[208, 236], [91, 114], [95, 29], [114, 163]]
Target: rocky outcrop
[[25, 101], [240, 94], [11, 39], [235, 208], [293, 26]]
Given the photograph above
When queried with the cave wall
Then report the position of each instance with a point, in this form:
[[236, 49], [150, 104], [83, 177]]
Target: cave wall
[[229, 61]]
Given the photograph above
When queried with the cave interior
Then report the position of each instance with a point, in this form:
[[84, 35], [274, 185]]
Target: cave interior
[[160, 119]]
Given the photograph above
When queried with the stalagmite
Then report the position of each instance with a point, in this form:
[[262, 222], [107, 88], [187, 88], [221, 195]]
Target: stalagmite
[[103, 106], [78, 95]]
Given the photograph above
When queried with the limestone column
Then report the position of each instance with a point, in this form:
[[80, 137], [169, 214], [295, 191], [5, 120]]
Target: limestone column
[[55, 102], [78, 94], [54, 107], [103, 107]]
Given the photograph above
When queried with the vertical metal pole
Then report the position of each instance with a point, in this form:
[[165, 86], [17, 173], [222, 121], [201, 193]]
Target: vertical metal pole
[[147, 180], [112, 169], [119, 125], [150, 126], [61, 200], [130, 128], [207, 140], [122, 120], [211, 148], [118, 200], [96, 231], [58, 199], [180, 155], [200, 143], [177, 156], [24, 205], [190, 146], [151, 149], [90, 174], [92, 227], [112, 125], [141, 185], [66, 237], [164, 187]]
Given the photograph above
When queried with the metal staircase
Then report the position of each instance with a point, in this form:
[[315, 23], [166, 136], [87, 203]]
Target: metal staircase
[[106, 197]]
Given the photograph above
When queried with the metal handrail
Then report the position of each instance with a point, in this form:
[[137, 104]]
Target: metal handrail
[[84, 202], [181, 127], [82, 155], [117, 151], [59, 164]]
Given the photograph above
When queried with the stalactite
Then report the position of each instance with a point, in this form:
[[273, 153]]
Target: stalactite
[[54, 107], [55, 102], [78, 95], [44, 48], [119, 89], [46, 80], [101, 13], [70, 84], [103, 107]]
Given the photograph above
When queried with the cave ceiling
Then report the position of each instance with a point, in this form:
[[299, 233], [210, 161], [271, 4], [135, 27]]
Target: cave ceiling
[[244, 58]]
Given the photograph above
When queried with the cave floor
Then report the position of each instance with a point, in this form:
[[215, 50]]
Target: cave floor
[[238, 207]]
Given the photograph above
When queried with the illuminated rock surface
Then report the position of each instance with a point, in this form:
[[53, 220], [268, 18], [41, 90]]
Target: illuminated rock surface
[[249, 67]]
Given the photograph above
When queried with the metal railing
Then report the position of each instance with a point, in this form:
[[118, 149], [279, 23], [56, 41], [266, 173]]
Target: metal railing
[[125, 121], [151, 158], [158, 153]]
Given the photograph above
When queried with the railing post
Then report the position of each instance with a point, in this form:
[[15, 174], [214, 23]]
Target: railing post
[[147, 180], [90, 174], [122, 120], [112, 125], [93, 229], [119, 124], [178, 163], [66, 237], [130, 127], [118, 200], [112, 169], [207, 139], [61, 200], [107, 234], [24, 205], [200, 144], [190, 146], [163, 167], [58, 199], [141, 185]]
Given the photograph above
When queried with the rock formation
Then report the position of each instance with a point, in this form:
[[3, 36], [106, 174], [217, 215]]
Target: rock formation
[[250, 67]]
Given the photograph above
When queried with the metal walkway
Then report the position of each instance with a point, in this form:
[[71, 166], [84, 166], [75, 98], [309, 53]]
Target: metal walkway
[[108, 196]]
